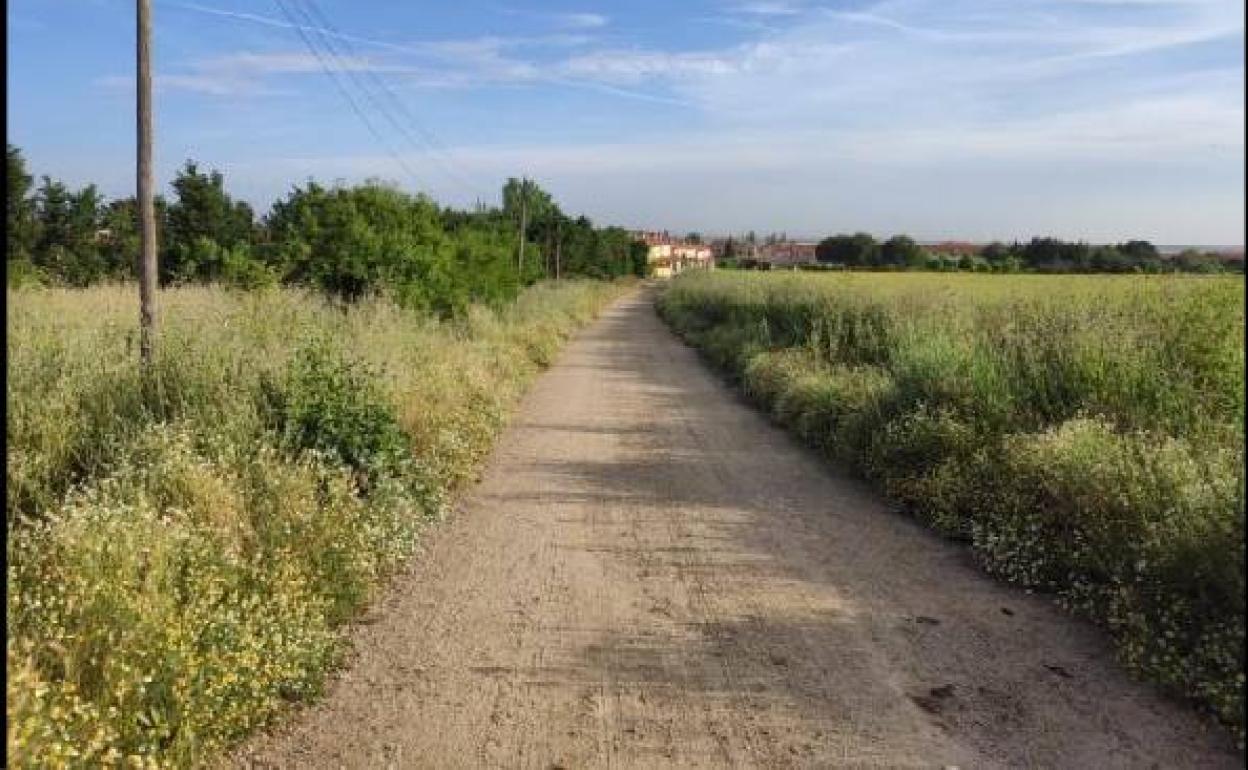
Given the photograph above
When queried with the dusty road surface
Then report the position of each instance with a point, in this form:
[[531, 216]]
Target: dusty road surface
[[650, 575]]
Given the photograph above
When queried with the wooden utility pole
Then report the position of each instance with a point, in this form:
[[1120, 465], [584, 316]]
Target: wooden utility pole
[[147, 213], [558, 243]]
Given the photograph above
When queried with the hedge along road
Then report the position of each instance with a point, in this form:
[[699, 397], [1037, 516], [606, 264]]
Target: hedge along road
[[649, 574]]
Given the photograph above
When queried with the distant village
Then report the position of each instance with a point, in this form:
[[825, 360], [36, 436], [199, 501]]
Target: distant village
[[669, 254]]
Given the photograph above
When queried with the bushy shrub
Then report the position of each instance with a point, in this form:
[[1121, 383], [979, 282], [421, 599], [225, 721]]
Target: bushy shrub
[[337, 407], [1145, 531], [153, 630], [926, 459]]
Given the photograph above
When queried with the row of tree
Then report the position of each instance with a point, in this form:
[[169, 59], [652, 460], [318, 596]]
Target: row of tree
[[349, 241], [1039, 255]]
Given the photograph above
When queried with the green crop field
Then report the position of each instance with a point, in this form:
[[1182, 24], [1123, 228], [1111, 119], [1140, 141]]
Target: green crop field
[[183, 545], [1083, 433]]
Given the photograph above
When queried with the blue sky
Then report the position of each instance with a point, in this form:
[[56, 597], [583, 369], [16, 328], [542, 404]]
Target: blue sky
[[979, 119]]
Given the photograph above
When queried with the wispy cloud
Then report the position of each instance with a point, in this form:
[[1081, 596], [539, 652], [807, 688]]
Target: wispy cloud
[[448, 63], [635, 66], [209, 85], [768, 8], [248, 73], [1151, 25], [894, 95], [919, 59], [933, 177], [248, 64], [270, 21], [582, 20]]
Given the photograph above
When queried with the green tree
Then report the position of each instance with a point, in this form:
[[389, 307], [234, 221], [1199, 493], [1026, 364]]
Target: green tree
[[857, 250], [995, 254], [1056, 255], [639, 252], [373, 239], [21, 227], [67, 247], [204, 224], [1109, 259], [524, 202], [901, 250], [538, 203], [1142, 254], [1196, 261], [1139, 250]]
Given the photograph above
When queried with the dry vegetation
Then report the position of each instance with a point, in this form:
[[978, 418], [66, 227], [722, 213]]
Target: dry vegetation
[[183, 546], [1083, 433]]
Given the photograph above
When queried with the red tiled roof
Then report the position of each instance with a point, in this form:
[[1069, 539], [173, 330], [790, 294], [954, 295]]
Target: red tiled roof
[[961, 248]]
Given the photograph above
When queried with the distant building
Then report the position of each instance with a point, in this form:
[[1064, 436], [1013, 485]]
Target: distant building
[[953, 248], [667, 256], [787, 253]]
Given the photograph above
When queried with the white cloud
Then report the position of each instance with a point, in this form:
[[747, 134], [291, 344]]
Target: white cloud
[[582, 20], [245, 73], [1077, 174], [1173, 129], [570, 20], [634, 66], [205, 84], [211, 85], [771, 8], [282, 63]]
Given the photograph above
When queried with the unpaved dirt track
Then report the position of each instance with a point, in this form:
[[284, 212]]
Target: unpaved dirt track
[[651, 575]]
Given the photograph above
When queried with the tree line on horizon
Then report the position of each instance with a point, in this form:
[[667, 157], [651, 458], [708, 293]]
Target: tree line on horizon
[[1041, 254], [348, 241]]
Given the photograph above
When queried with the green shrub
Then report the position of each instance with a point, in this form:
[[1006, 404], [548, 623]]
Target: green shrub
[[22, 273], [927, 459], [1144, 531], [336, 406]]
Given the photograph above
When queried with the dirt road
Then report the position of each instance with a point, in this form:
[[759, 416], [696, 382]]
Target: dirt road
[[650, 575]]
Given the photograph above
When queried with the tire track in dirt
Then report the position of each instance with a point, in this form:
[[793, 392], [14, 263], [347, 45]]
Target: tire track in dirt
[[649, 575]]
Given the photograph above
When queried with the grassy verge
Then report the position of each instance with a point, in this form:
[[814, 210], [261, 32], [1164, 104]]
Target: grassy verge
[[183, 546], [1084, 434]]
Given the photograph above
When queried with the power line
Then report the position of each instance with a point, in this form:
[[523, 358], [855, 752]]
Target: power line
[[346, 94], [562, 81], [352, 76], [427, 140]]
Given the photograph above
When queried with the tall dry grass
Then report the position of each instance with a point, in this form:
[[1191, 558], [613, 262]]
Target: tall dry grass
[[1083, 433], [183, 544]]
